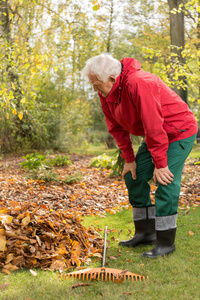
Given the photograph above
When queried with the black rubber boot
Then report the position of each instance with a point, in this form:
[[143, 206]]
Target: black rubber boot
[[144, 234], [165, 244]]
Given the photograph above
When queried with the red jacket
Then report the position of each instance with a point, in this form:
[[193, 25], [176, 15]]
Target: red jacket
[[142, 104]]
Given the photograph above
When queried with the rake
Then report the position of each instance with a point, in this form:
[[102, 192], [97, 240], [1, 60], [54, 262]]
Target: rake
[[104, 273]]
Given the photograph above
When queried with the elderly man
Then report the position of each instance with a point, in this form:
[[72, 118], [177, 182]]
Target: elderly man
[[139, 103]]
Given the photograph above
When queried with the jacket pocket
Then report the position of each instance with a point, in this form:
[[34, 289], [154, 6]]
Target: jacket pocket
[[172, 130]]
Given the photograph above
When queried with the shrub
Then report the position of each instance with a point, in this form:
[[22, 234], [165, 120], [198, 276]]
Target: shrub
[[44, 174], [42, 169], [114, 162], [34, 161], [60, 161], [103, 161], [77, 177]]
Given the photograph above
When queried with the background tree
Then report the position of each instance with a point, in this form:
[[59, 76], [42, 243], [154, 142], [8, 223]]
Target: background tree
[[177, 34], [44, 45]]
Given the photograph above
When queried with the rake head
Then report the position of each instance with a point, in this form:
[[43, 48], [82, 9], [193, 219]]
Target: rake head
[[105, 274]]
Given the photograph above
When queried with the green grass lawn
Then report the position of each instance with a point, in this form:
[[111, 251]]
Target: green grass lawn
[[195, 153], [101, 148], [172, 277]]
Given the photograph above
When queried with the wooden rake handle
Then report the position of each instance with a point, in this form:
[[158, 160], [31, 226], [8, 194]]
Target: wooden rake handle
[[104, 248]]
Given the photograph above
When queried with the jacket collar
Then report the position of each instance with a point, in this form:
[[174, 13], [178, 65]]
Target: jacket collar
[[129, 65]]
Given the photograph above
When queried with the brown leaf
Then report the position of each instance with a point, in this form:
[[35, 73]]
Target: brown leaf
[[118, 280], [26, 220], [9, 258], [58, 265], [32, 249], [38, 240], [2, 243], [128, 293], [5, 271], [98, 255], [5, 219], [123, 272], [80, 284], [3, 286], [120, 231], [10, 267], [113, 257]]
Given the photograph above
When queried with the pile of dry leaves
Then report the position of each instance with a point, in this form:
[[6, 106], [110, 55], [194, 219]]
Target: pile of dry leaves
[[49, 240]]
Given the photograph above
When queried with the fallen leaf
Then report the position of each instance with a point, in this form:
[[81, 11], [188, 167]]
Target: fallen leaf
[[3, 286], [10, 267], [58, 265], [9, 258], [80, 284], [128, 293], [6, 219], [123, 272], [2, 243], [190, 233], [120, 231], [6, 271], [33, 272], [113, 257], [98, 255], [26, 220], [118, 280], [38, 240]]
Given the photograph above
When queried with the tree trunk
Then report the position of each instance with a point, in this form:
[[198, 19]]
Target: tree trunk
[[110, 28], [4, 20], [13, 81], [198, 46], [178, 39]]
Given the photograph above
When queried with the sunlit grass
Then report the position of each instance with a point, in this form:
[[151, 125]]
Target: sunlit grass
[[99, 149], [195, 153]]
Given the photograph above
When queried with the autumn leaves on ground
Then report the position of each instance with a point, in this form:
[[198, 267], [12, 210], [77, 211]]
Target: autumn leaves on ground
[[40, 221]]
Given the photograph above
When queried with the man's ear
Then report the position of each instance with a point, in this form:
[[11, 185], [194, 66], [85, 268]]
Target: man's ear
[[112, 79]]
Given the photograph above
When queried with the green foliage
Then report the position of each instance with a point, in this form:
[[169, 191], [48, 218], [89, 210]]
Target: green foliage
[[35, 161], [119, 164], [44, 174], [60, 161], [41, 168], [114, 162], [103, 161], [77, 177]]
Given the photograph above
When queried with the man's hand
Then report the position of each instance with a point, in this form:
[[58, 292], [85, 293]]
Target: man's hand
[[130, 167], [163, 175]]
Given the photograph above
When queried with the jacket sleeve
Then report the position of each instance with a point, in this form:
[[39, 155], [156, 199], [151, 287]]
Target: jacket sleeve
[[121, 136], [149, 107]]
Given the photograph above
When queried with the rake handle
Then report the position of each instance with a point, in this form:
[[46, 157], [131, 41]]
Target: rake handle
[[104, 248]]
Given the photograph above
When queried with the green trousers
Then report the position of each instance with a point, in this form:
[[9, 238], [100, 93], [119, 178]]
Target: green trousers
[[166, 197]]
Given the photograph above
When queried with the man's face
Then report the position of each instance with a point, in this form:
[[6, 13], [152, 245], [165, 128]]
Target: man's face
[[103, 87]]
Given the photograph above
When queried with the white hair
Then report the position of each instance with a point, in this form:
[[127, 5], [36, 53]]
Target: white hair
[[103, 66]]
